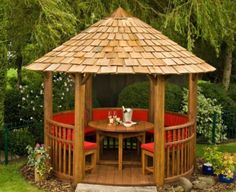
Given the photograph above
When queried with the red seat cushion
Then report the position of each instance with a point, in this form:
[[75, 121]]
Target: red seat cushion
[[89, 145], [148, 147], [89, 130]]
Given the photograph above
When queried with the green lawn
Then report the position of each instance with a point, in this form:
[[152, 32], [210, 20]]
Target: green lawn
[[12, 181], [228, 147]]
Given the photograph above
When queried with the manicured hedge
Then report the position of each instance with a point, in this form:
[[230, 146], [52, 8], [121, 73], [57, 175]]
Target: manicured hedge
[[137, 95]]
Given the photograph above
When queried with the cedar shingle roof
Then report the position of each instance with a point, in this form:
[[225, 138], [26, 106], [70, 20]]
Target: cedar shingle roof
[[121, 44]]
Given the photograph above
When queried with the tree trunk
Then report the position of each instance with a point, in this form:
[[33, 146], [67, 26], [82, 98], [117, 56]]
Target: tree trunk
[[19, 69], [227, 67]]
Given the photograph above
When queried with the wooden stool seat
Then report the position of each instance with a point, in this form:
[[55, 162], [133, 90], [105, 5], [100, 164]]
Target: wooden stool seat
[[90, 150], [147, 151]]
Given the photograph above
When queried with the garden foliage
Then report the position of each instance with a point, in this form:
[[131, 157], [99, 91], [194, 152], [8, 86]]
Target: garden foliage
[[3, 58], [19, 139], [25, 104], [206, 109], [137, 95]]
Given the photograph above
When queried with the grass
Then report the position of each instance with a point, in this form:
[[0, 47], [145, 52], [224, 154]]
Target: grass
[[12, 181], [227, 147]]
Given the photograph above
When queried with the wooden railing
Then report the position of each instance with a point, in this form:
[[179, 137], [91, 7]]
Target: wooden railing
[[61, 148], [179, 151]]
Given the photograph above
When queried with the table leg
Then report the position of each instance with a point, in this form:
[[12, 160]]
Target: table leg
[[120, 152], [98, 145]]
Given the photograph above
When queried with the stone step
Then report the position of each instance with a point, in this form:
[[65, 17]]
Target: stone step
[[81, 187]]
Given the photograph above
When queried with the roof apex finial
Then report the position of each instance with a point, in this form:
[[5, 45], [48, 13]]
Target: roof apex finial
[[120, 12]]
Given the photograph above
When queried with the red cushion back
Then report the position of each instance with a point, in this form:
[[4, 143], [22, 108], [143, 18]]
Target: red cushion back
[[140, 115], [101, 114], [66, 117]]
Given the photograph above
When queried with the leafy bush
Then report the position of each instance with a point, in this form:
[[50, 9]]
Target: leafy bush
[[232, 92], [19, 139], [216, 91], [207, 107], [137, 95]]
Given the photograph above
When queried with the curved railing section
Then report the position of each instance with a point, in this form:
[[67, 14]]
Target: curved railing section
[[179, 151], [179, 142], [60, 139]]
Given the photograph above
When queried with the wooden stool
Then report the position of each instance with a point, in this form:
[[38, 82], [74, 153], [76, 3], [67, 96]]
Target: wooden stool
[[90, 150], [147, 151]]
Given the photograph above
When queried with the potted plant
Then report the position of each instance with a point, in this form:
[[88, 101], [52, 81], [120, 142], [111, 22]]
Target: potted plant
[[226, 169], [211, 157], [38, 158]]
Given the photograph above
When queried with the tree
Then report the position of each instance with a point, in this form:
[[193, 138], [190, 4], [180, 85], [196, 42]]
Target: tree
[[209, 20], [36, 27], [3, 58]]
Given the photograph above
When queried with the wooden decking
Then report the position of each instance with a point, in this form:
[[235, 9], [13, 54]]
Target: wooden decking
[[110, 175]]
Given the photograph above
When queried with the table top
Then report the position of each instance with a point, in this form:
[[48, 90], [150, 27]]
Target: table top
[[102, 125]]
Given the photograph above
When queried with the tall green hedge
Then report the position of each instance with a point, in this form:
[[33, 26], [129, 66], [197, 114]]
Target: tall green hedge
[[3, 59], [137, 95]]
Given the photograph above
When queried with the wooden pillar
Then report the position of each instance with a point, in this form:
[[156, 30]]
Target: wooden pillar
[[192, 107], [48, 103], [151, 99], [89, 99], [159, 131], [78, 151]]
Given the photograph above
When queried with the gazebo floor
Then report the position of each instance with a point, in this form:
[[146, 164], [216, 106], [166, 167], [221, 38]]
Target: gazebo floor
[[110, 175], [131, 173]]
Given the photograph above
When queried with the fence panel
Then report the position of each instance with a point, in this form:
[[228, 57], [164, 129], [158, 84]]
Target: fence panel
[[229, 118]]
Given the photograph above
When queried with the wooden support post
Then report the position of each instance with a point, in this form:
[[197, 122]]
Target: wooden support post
[[48, 104], [89, 99], [159, 131], [192, 107], [78, 151], [151, 99]]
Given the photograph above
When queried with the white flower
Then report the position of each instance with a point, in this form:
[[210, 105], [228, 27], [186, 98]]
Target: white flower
[[63, 93], [23, 98], [41, 92], [31, 117], [67, 89], [31, 102], [33, 108], [62, 97]]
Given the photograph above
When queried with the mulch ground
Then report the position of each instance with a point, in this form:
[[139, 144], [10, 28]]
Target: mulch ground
[[52, 184]]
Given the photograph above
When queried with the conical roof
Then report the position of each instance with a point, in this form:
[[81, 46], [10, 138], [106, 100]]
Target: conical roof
[[121, 44]]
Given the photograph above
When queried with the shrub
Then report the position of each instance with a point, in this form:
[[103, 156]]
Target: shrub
[[19, 139], [207, 107], [137, 95], [216, 91]]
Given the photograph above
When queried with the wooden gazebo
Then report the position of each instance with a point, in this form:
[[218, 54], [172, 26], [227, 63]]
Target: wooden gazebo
[[122, 44]]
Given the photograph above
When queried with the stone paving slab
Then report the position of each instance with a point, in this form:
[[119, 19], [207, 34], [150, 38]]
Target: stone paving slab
[[81, 187]]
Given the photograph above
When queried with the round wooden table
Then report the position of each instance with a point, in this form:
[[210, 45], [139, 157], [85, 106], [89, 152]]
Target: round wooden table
[[120, 132]]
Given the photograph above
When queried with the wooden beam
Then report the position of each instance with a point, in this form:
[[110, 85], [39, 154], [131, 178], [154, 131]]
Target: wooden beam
[[192, 107], [151, 101], [159, 131], [85, 78], [89, 99], [48, 103], [78, 151]]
